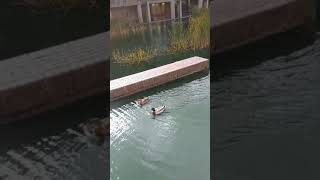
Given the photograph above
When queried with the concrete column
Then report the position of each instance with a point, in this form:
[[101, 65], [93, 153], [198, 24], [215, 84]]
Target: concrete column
[[200, 2], [139, 12], [148, 12], [173, 9], [207, 4], [180, 9]]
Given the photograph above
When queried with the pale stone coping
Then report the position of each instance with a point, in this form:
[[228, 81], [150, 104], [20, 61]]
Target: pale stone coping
[[149, 74], [55, 60], [224, 11]]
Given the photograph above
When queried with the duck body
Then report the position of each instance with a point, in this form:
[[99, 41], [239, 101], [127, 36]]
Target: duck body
[[158, 110], [99, 129], [142, 101]]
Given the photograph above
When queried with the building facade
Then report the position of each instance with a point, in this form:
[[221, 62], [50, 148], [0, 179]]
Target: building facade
[[148, 11]]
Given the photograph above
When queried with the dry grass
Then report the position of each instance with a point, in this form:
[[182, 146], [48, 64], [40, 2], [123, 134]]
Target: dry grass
[[135, 56]]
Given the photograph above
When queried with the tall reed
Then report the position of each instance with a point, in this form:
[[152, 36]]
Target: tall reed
[[195, 36]]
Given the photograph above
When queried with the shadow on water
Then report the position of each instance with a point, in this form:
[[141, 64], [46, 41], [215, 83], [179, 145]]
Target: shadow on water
[[54, 145], [253, 54], [264, 102], [29, 131]]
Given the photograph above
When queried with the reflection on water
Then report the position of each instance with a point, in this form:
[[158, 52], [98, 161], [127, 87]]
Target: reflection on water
[[54, 146], [175, 145], [266, 111]]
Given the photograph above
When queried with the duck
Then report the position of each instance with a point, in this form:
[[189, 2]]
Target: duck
[[158, 110], [142, 101], [98, 129], [102, 130]]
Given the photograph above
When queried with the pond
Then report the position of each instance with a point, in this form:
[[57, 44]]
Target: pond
[[174, 145]]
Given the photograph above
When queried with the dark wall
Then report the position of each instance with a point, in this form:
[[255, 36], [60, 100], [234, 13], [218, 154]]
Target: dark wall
[[25, 28]]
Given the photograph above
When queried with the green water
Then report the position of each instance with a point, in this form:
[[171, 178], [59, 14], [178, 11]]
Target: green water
[[175, 145]]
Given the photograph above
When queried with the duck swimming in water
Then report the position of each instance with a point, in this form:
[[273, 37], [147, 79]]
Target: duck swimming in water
[[142, 101], [158, 110], [99, 129]]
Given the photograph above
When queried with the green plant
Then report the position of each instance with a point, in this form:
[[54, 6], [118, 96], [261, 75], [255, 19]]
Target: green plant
[[199, 29], [195, 36], [135, 56], [178, 38]]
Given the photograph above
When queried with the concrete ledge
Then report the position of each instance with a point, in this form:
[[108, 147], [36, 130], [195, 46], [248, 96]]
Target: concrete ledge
[[236, 23], [49, 78], [142, 81]]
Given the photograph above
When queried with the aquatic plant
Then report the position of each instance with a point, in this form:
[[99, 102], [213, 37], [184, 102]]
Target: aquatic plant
[[195, 36], [199, 29], [178, 37], [135, 56]]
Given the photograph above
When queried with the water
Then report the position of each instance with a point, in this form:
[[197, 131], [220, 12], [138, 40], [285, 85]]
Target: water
[[53, 146], [175, 145], [265, 107], [156, 36]]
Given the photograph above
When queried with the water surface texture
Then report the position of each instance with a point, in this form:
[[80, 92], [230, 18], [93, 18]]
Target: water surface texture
[[174, 145], [53, 146], [265, 107]]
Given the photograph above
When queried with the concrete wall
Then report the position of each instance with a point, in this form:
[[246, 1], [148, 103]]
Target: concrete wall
[[50, 78], [145, 80], [236, 23]]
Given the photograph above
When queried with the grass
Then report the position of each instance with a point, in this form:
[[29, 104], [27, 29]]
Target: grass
[[135, 56]]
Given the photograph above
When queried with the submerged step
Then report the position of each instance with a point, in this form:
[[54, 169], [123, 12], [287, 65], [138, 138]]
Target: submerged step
[[148, 79]]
